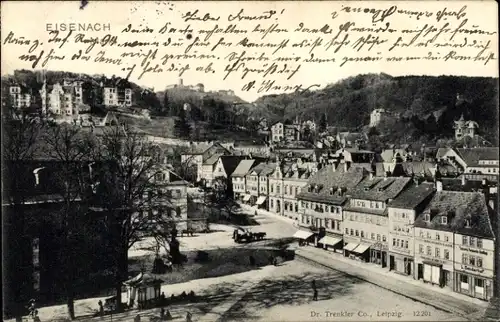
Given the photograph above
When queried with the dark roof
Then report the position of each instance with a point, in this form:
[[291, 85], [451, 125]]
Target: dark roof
[[458, 207], [456, 184], [473, 155], [328, 178], [230, 163], [242, 168], [379, 188], [420, 169], [413, 196]]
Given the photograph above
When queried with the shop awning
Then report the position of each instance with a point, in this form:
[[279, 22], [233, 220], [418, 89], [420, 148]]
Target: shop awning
[[350, 246], [302, 234], [246, 197], [327, 240], [361, 248], [261, 200]]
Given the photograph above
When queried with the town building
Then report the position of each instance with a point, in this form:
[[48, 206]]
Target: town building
[[292, 132], [202, 157], [366, 218], [238, 178], [454, 243], [402, 212], [472, 160], [224, 168], [321, 203]]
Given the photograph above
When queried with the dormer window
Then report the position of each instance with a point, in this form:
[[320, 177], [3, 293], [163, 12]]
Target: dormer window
[[467, 223], [427, 217], [36, 172], [444, 220], [331, 191]]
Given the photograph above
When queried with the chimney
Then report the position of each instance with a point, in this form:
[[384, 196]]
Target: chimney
[[439, 185]]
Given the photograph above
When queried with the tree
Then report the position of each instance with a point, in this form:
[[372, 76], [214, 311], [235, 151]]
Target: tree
[[322, 123], [166, 105], [19, 146], [182, 128], [128, 188], [72, 150]]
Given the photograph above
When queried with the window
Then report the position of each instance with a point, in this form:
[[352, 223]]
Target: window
[[383, 238], [464, 279], [479, 282], [422, 234], [357, 233], [352, 232], [362, 234], [429, 251], [332, 209], [444, 220], [479, 262], [446, 254], [438, 237], [394, 242], [327, 223], [465, 259], [397, 243], [446, 238], [472, 241], [438, 252], [464, 240], [378, 237], [472, 261], [406, 244], [373, 236], [427, 217], [347, 231], [479, 243]]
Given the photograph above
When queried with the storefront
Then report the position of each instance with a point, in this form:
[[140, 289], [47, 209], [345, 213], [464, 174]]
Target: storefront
[[357, 251], [262, 202], [401, 264], [378, 254], [246, 198], [333, 243], [304, 237], [473, 285], [435, 272]]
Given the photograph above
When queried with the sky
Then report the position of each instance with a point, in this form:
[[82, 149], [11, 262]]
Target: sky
[[313, 15]]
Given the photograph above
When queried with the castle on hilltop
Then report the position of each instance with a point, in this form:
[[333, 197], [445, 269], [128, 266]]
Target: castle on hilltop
[[198, 88]]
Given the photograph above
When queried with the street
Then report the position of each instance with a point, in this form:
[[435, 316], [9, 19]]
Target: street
[[271, 293]]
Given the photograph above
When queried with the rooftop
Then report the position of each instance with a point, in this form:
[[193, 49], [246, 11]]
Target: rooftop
[[379, 188], [473, 155], [242, 168], [458, 208], [413, 196]]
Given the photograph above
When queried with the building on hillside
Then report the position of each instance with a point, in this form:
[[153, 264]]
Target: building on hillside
[[20, 95], [291, 132], [377, 116], [63, 99], [351, 139], [277, 132], [116, 92], [366, 218], [454, 243], [321, 202], [309, 124], [402, 212], [238, 178], [252, 149], [465, 128], [353, 155]]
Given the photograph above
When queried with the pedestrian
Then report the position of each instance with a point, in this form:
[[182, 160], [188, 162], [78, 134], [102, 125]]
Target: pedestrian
[[313, 284], [162, 298], [162, 313], [101, 308], [315, 295], [168, 316], [137, 318], [188, 317]]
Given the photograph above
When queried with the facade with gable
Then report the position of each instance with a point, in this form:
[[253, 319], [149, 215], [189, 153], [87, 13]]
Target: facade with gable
[[465, 128], [366, 218], [321, 203], [238, 178], [294, 179], [454, 243], [20, 95], [402, 212]]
